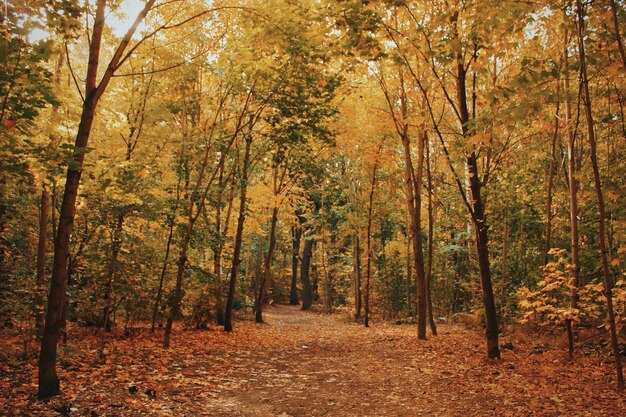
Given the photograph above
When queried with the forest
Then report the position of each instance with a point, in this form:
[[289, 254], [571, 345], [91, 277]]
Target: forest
[[312, 207]]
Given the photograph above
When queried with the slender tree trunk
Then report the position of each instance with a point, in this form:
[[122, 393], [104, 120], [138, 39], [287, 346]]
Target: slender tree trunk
[[506, 238], [112, 271], [422, 288], [370, 255], [551, 175], [305, 278], [608, 283], [413, 182], [42, 244], [296, 233], [217, 271], [234, 272], [477, 209], [217, 257], [573, 199], [618, 33], [431, 243], [416, 238], [267, 270], [409, 269], [357, 278], [482, 242], [166, 258], [182, 261]]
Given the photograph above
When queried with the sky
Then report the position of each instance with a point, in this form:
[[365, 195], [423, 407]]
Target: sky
[[120, 24]]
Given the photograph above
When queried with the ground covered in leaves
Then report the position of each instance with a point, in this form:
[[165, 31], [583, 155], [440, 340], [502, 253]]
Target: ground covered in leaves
[[313, 364]]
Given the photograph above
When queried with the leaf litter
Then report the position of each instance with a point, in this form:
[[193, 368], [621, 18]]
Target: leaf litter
[[315, 364]]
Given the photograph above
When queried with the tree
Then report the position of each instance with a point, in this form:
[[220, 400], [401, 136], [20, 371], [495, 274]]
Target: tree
[[608, 283]]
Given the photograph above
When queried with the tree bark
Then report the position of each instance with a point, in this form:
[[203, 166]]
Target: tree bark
[[305, 278], [477, 207], [267, 270], [357, 278], [182, 261], [116, 244], [48, 378], [551, 175], [431, 243], [166, 258], [234, 272], [217, 256], [368, 270], [608, 283], [42, 245], [296, 233], [573, 199]]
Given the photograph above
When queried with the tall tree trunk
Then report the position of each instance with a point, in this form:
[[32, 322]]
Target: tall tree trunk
[[217, 271], [217, 256], [168, 245], [431, 243], [234, 272], [409, 270], [267, 270], [305, 278], [357, 278], [422, 302], [573, 198], [551, 175], [112, 271], [42, 244], [368, 271], [416, 236], [296, 233], [44, 218], [180, 272], [48, 378], [477, 208], [608, 283], [482, 242], [413, 183]]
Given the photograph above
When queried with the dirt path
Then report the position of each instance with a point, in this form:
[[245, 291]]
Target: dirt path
[[336, 368], [309, 364]]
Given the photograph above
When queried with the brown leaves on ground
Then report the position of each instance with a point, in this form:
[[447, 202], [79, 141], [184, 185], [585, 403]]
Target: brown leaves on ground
[[309, 364]]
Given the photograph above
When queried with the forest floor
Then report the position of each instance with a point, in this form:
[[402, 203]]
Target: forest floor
[[314, 364]]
